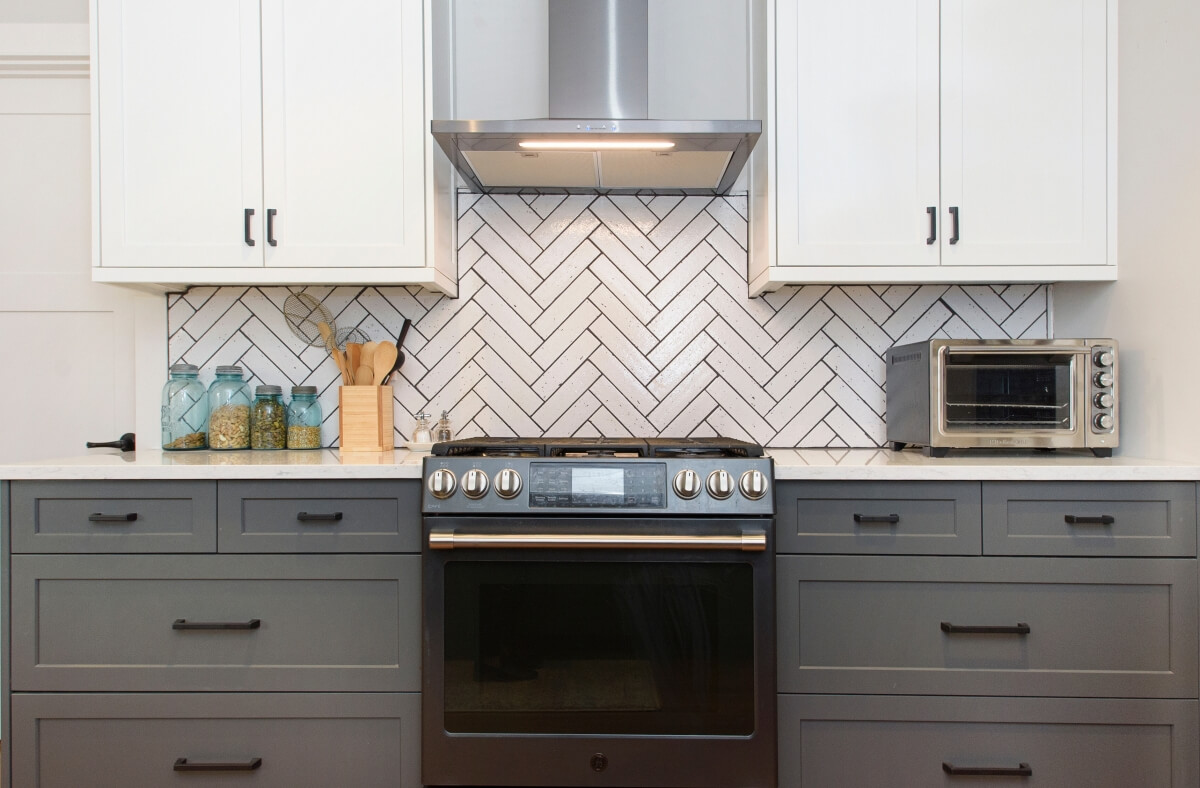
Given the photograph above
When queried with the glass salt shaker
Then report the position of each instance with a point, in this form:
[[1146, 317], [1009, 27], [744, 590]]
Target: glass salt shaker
[[421, 432], [444, 433]]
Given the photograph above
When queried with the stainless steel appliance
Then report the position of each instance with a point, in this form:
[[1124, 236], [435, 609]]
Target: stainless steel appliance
[[1015, 393], [599, 612]]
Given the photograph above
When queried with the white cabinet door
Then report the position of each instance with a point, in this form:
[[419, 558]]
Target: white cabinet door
[[1024, 120], [857, 126], [178, 125], [343, 133]]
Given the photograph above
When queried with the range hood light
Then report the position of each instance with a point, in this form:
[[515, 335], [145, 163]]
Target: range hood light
[[597, 145]]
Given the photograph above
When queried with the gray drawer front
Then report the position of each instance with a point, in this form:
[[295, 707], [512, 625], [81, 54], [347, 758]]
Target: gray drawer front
[[172, 517], [382, 516], [1148, 518], [1097, 628], [876, 742], [327, 623], [118, 741], [934, 518]]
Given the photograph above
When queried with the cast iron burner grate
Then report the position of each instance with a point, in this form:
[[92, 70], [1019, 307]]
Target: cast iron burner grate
[[597, 447]]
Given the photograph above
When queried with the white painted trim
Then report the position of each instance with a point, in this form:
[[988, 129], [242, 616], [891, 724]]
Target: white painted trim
[[880, 275], [44, 40], [163, 279], [1113, 125], [150, 364]]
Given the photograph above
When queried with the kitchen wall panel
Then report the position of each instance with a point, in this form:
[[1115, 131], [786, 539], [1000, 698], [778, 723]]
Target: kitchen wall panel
[[589, 315]]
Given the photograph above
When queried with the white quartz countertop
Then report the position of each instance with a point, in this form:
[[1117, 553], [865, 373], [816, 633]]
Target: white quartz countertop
[[830, 464]]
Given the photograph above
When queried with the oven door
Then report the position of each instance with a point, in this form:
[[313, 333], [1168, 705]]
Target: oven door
[[599, 651]]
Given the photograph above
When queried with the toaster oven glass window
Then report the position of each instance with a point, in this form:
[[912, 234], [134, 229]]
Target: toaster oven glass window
[[1005, 391]]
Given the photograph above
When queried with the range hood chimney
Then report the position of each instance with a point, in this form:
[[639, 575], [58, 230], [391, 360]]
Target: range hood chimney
[[598, 136]]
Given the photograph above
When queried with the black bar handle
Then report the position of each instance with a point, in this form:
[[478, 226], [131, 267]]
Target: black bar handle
[[183, 623], [271, 227], [954, 224], [1103, 519], [182, 765], [97, 517], [956, 629], [876, 518], [932, 211], [127, 442], [246, 230], [1023, 770], [328, 517]]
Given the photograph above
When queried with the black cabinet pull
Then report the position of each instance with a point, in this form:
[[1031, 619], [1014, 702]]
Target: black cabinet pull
[[183, 623], [954, 224], [1103, 519], [182, 765], [97, 517], [1022, 770], [877, 518], [271, 227], [327, 517], [932, 211], [956, 629], [246, 229]]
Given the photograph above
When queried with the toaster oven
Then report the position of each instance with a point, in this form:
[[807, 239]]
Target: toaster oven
[[947, 394]]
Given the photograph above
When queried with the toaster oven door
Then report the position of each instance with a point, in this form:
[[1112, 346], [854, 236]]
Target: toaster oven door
[[994, 393]]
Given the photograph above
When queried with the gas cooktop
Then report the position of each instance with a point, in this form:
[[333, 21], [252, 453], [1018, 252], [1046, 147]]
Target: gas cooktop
[[598, 447]]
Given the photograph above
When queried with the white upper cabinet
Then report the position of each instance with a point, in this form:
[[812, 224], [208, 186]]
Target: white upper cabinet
[[266, 141], [926, 141]]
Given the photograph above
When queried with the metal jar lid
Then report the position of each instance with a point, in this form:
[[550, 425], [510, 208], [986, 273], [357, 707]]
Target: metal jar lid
[[184, 369], [229, 370], [273, 390], [303, 390]]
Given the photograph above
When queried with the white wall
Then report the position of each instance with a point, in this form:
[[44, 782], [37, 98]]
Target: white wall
[[1153, 309]]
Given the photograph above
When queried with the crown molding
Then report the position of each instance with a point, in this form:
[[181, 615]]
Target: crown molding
[[44, 51]]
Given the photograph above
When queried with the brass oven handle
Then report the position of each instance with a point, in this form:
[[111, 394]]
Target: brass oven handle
[[747, 542]]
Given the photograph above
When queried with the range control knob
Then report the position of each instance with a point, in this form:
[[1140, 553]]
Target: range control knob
[[1103, 379], [1103, 421], [1103, 400], [753, 485], [1103, 358], [720, 484], [441, 484], [687, 484], [508, 483], [474, 483]]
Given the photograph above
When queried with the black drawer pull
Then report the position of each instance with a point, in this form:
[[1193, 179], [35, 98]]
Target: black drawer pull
[[183, 623], [891, 519], [182, 765], [1022, 770], [955, 629], [97, 517], [327, 517], [1104, 519]]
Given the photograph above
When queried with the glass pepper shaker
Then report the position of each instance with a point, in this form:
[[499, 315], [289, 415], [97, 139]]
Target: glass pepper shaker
[[444, 433], [184, 410], [421, 432]]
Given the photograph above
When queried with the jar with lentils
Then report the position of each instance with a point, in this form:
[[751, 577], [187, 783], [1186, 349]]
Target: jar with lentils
[[268, 419], [304, 419]]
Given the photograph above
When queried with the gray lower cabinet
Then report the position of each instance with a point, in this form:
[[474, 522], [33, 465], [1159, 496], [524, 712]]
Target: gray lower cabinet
[[832, 741], [210, 739]]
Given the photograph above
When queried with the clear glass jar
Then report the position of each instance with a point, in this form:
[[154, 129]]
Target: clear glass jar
[[304, 419], [229, 410], [444, 432], [422, 432], [268, 419], [184, 410]]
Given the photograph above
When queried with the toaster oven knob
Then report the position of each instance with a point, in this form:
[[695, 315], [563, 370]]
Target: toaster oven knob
[[1103, 358], [720, 484], [687, 484], [441, 483], [508, 483], [1103, 379], [753, 485], [1103, 421], [475, 483], [1103, 400]]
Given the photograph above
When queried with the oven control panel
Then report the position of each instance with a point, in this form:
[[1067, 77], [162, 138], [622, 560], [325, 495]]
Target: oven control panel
[[487, 485]]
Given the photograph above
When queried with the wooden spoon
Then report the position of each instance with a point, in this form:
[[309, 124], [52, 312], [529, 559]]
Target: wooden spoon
[[353, 359], [385, 357], [364, 376], [327, 335], [366, 358]]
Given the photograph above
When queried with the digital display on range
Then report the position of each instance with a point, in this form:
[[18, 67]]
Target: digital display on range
[[608, 485]]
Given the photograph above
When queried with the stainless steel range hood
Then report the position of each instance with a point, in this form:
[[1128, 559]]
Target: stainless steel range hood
[[598, 137]]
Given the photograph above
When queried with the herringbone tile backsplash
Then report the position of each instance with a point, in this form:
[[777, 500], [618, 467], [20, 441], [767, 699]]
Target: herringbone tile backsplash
[[617, 315]]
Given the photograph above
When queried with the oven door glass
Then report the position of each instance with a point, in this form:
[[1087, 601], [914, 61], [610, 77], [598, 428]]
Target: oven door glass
[[1008, 391], [612, 647]]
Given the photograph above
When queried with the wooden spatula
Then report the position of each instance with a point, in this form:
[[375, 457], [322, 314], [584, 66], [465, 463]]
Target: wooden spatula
[[385, 357]]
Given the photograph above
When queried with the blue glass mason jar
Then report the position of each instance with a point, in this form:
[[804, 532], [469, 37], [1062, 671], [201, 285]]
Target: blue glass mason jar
[[184, 410], [229, 410], [304, 419], [268, 419]]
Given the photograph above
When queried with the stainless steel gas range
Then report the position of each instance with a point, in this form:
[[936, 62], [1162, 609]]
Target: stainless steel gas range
[[599, 612]]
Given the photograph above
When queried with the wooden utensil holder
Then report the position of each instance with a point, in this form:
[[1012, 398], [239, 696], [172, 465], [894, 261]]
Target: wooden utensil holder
[[365, 418]]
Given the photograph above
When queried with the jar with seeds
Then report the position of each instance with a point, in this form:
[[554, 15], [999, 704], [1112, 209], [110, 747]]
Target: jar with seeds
[[304, 419], [184, 410], [229, 410], [268, 419]]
